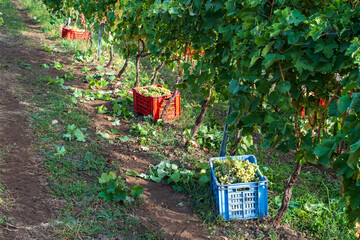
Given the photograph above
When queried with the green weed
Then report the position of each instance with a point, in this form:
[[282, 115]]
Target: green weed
[[12, 20]]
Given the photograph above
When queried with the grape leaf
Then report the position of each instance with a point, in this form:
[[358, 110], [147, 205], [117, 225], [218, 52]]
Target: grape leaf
[[303, 64], [283, 86], [120, 195], [137, 191], [344, 103], [125, 138], [204, 179], [106, 196], [354, 158], [355, 200], [202, 165], [132, 173], [161, 172], [175, 177], [155, 179], [67, 136], [105, 178], [79, 135], [234, 86], [271, 58]]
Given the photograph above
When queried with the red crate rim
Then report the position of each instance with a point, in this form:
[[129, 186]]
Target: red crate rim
[[157, 85], [81, 30]]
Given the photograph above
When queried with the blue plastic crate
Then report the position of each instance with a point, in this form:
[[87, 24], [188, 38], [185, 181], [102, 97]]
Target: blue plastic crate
[[240, 201]]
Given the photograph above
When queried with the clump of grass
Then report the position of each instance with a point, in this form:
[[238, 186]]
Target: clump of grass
[[12, 19]]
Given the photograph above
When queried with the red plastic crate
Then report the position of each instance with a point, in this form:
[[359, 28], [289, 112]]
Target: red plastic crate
[[66, 33], [71, 34], [155, 105], [321, 103], [190, 52], [82, 35]]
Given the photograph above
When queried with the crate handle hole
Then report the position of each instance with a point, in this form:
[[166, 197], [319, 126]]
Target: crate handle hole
[[243, 189]]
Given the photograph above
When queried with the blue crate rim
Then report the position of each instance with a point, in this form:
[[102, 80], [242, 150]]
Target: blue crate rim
[[241, 157]]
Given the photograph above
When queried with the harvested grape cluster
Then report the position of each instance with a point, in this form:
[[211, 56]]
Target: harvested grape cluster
[[154, 91], [235, 171], [74, 28]]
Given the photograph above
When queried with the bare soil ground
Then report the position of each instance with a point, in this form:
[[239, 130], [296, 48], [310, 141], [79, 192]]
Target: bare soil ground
[[25, 204]]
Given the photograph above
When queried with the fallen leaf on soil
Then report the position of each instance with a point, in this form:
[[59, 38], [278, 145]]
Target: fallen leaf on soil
[[45, 225], [357, 227], [195, 144], [225, 238], [207, 150], [144, 148]]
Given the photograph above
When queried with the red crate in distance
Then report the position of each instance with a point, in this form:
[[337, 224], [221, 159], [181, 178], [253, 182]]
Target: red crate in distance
[[66, 33], [72, 34], [155, 105], [320, 103], [81, 35]]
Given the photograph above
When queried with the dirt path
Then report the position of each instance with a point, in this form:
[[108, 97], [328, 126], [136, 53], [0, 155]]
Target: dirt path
[[28, 210], [25, 209], [21, 173]]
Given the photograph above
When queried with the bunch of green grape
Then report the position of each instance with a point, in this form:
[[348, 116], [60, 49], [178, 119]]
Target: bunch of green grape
[[154, 91], [74, 28], [235, 171]]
